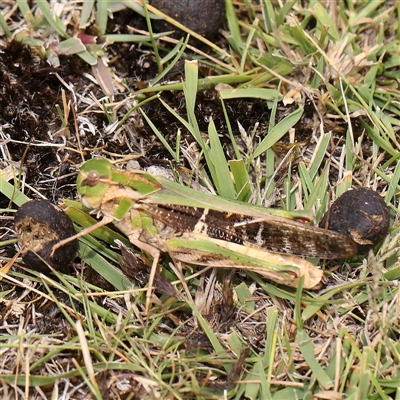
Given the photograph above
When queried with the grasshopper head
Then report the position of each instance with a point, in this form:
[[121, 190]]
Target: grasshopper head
[[93, 182]]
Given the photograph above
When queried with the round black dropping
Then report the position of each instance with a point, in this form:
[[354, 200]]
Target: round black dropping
[[360, 214], [40, 225], [203, 17]]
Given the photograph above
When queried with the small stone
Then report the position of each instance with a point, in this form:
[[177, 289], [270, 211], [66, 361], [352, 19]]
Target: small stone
[[40, 225], [360, 214]]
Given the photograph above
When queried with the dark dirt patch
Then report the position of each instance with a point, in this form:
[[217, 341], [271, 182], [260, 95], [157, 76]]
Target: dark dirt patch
[[30, 91]]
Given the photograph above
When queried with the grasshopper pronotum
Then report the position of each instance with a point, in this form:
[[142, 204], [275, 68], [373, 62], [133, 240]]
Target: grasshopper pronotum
[[158, 215]]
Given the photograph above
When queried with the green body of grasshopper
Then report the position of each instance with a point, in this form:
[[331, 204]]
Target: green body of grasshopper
[[158, 215]]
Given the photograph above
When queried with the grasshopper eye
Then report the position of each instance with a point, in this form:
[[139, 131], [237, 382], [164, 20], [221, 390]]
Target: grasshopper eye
[[92, 178]]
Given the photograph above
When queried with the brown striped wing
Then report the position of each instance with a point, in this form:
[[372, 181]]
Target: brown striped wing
[[271, 233]]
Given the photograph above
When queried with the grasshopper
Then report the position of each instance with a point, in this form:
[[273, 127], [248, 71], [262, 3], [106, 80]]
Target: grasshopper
[[158, 215]]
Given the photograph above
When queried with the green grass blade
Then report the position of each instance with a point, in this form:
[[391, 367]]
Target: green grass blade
[[53, 20], [257, 93], [393, 184], [102, 15], [307, 350], [278, 131], [241, 179], [319, 155], [160, 136], [3, 25], [103, 267], [233, 24], [87, 7], [12, 193], [220, 173], [177, 54], [318, 196], [231, 135]]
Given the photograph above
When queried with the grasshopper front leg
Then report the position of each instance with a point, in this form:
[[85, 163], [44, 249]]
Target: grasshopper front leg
[[105, 221]]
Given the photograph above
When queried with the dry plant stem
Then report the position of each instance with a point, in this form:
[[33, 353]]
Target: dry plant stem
[[4, 270]]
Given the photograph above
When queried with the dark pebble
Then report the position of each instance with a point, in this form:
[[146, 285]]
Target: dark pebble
[[40, 225], [360, 214], [203, 17]]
